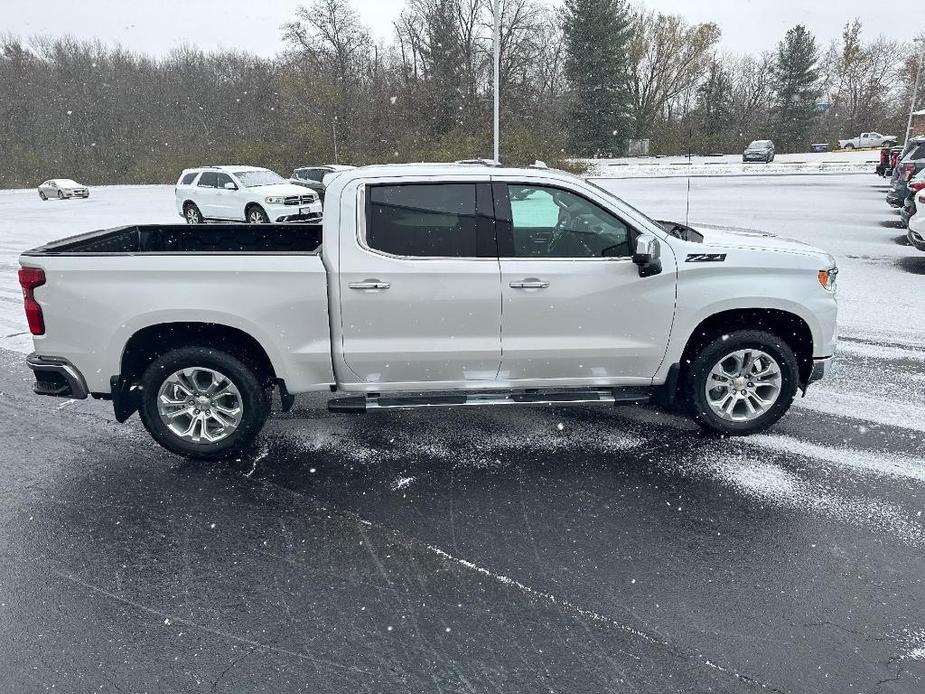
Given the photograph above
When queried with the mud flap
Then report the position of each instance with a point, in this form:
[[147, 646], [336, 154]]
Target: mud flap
[[125, 397]]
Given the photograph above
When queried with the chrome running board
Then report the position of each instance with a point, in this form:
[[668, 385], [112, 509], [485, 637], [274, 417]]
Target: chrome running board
[[375, 401]]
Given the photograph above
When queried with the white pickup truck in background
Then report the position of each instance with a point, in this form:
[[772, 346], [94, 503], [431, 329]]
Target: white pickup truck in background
[[429, 285], [872, 139]]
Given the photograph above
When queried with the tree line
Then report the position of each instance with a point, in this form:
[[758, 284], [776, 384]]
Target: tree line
[[577, 80]]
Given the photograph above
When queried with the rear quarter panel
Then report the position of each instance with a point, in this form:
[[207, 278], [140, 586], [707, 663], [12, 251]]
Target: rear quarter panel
[[94, 304]]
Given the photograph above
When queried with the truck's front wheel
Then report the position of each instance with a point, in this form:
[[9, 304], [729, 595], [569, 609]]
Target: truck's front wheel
[[203, 403], [741, 382]]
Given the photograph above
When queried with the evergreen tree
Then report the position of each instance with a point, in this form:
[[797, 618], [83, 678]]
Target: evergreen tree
[[796, 84], [596, 36]]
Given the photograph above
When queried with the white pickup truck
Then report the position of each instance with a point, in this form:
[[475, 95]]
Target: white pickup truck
[[429, 285], [871, 139]]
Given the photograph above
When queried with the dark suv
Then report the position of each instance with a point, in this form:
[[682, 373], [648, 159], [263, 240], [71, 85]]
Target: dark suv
[[313, 176], [911, 161]]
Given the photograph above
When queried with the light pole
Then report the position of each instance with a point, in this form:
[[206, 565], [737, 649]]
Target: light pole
[[334, 136], [496, 10], [915, 90]]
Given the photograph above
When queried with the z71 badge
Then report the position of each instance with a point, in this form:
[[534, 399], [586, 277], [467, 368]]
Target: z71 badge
[[705, 257]]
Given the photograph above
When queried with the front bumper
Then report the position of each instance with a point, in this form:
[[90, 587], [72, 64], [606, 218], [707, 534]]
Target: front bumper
[[299, 217], [307, 212], [57, 377]]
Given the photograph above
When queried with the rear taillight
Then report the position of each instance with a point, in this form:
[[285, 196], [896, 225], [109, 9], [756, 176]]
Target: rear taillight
[[908, 170], [916, 186], [29, 279]]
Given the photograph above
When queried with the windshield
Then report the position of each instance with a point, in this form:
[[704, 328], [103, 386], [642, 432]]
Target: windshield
[[260, 177], [759, 144], [66, 182]]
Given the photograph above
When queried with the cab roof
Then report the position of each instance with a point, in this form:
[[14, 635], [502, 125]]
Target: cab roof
[[423, 169]]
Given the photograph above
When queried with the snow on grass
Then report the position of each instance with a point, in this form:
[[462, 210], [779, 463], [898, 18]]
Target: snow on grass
[[732, 165]]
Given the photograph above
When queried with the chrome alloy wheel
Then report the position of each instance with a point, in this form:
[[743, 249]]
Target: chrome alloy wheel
[[200, 405], [743, 385], [192, 215]]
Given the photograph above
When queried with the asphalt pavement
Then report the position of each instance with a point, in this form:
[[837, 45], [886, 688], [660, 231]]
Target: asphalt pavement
[[519, 550]]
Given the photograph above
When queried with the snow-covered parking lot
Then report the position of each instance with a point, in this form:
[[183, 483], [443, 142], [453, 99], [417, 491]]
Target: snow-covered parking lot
[[573, 549]]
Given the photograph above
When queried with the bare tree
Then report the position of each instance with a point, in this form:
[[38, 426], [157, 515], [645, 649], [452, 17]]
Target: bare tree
[[668, 56]]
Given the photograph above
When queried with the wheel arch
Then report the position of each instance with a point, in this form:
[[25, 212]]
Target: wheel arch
[[252, 204], [789, 327], [152, 341]]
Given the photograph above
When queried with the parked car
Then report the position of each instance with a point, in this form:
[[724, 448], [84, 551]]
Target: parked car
[[759, 150], [916, 230], [242, 193], [911, 161], [313, 176], [915, 185], [396, 302], [871, 139], [62, 188], [888, 158]]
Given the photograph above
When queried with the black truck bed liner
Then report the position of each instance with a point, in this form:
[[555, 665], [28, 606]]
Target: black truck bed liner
[[169, 239]]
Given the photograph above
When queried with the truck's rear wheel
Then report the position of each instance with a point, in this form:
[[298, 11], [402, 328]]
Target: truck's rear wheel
[[203, 403], [740, 383]]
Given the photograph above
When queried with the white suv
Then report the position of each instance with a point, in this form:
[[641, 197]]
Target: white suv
[[242, 194]]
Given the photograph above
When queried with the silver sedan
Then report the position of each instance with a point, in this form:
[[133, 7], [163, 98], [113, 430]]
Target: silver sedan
[[62, 188]]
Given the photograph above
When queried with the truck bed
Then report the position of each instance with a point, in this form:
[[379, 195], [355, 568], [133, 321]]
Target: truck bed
[[170, 239], [267, 281]]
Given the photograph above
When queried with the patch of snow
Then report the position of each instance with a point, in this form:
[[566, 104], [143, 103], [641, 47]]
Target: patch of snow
[[870, 462], [401, 483]]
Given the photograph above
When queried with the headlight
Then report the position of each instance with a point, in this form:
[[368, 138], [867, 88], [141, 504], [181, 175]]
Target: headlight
[[827, 278], [275, 200]]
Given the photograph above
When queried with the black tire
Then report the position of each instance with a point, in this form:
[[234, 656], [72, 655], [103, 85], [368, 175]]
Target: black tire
[[192, 214], [43, 196], [254, 392], [849, 146], [60, 195], [694, 381], [254, 214]]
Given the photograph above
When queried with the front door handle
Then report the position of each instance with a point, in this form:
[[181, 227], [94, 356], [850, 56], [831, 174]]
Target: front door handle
[[529, 284], [369, 284]]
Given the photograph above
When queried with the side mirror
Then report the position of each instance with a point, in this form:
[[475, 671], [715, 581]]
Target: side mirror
[[647, 255], [230, 186]]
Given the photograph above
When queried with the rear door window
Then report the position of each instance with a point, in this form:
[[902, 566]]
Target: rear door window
[[423, 220], [209, 179]]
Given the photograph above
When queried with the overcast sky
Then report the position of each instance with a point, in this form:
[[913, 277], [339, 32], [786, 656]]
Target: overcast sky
[[156, 26]]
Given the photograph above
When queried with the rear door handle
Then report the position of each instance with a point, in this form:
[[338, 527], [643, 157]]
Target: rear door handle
[[529, 284], [369, 284]]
